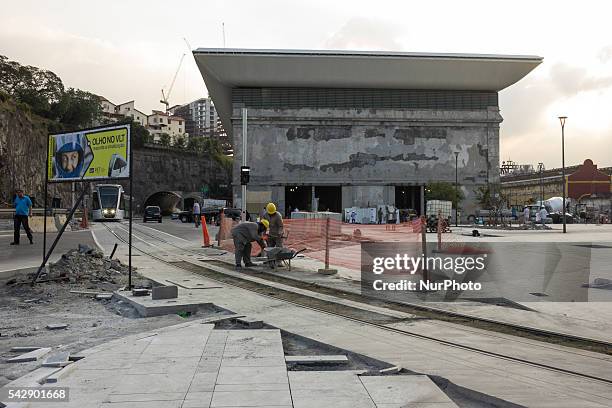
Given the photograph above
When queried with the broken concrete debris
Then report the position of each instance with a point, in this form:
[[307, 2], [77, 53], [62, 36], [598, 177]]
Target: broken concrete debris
[[34, 355], [58, 326], [85, 264], [140, 292], [164, 292]]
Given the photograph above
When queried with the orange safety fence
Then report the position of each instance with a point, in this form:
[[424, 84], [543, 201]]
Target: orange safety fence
[[344, 240]]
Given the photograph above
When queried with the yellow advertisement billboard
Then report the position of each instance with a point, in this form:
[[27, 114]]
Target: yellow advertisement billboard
[[93, 154]]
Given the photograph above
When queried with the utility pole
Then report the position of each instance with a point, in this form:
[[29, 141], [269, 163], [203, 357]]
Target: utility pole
[[562, 120], [244, 162]]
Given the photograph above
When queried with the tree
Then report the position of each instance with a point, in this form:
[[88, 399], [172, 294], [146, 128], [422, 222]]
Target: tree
[[138, 133], [179, 142], [77, 109], [490, 196], [441, 190], [164, 139]]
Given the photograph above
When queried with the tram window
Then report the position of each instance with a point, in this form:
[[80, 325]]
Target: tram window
[[95, 202], [119, 163], [122, 202], [108, 196]]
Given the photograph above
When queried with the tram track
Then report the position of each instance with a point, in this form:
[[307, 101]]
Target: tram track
[[362, 316]]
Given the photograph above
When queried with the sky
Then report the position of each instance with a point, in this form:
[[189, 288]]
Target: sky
[[130, 49]]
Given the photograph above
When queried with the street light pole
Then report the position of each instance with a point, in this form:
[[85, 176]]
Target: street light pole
[[541, 169], [456, 189], [562, 120]]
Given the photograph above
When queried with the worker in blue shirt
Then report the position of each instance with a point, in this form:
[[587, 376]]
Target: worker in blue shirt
[[23, 210]]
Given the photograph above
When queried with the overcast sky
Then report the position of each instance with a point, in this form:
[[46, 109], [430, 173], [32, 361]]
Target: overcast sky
[[128, 50]]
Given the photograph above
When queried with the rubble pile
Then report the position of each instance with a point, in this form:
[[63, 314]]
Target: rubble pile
[[86, 264]]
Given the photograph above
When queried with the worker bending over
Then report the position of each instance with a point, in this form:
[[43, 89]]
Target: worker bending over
[[245, 233], [275, 235]]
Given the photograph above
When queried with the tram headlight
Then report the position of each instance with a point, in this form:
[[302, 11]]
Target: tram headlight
[[105, 211], [112, 211]]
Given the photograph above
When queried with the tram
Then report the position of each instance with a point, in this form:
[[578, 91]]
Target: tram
[[109, 202]]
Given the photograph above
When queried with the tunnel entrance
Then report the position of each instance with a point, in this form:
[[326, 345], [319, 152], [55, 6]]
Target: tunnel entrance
[[167, 201], [330, 198], [299, 197], [408, 197]]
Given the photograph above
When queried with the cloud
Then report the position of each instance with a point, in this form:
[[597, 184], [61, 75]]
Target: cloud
[[362, 33], [605, 54], [571, 80]]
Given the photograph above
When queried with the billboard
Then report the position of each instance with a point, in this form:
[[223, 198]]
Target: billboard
[[92, 154]]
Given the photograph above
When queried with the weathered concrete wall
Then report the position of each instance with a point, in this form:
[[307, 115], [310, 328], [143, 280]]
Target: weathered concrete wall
[[374, 149]]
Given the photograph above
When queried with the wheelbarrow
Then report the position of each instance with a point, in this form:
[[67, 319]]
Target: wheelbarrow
[[279, 256]]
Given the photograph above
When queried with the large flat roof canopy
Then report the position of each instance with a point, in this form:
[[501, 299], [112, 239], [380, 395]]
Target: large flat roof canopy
[[224, 69]]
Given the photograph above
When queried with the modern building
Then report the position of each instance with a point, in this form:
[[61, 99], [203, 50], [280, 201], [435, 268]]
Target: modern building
[[160, 122], [583, 181], [201, 119], [336, 129]]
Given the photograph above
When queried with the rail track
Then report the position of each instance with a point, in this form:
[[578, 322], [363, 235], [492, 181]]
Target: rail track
[[346, 312]]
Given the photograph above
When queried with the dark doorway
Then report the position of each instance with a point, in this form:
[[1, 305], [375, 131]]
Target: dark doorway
[[299, 197], [330, 198], [408, 197]]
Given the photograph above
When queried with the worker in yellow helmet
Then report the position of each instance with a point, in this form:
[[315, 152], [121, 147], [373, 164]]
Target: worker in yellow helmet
[[275, 234]]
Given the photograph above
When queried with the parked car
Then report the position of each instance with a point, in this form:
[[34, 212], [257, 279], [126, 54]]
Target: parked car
[[152, 212]]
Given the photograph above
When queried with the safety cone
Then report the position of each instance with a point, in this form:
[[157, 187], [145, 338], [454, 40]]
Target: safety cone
[[205, 233]]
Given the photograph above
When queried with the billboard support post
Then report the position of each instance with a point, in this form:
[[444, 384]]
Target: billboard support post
[[45, 204], [59, 235], [130, 226]]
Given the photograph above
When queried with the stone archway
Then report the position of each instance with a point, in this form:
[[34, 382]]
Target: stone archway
[[168, 201]]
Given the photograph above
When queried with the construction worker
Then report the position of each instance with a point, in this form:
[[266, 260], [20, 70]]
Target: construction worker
[[275, 235], [245, 233]]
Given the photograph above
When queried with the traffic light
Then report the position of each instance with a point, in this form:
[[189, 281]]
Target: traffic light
[[245, 172]]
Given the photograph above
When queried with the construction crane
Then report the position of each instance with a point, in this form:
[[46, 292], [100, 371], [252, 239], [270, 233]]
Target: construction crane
[[166, 96]]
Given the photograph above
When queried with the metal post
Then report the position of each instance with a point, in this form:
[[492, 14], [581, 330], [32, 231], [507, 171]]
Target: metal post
[[45, 209], [424, 247], [244, 161], [58, 236], [541, 169], [562, 120], [456, 188], [327, 243], [131, 216]]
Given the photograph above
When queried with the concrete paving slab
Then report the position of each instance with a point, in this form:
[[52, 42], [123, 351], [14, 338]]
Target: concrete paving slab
[[403, 389], [250, 322], [330, 359], [251, 361], [34, 355], [142, 397], [23, 349], [57, 360], [148, 307], [251, 398], [252, 375]]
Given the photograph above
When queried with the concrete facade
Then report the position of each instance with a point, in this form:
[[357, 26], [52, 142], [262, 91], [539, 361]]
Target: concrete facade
[[366, 152]]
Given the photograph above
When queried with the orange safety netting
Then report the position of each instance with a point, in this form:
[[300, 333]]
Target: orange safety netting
[[342, 240]]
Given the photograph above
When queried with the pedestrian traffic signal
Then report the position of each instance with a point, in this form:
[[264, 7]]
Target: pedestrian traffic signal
[[244, 175]]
